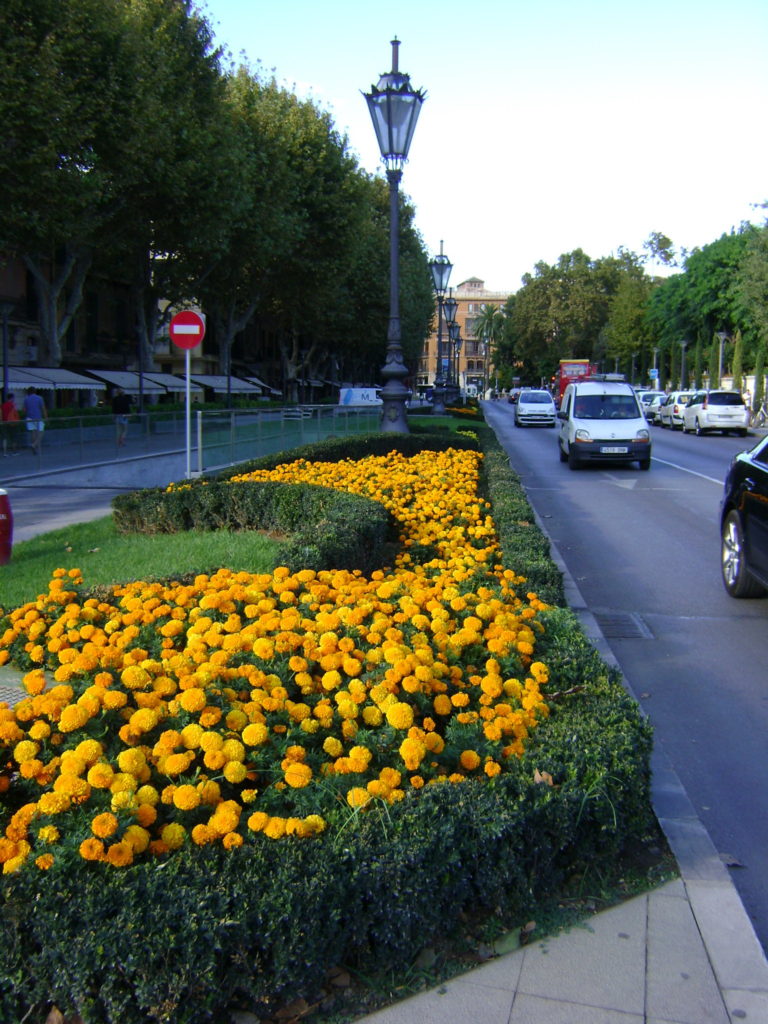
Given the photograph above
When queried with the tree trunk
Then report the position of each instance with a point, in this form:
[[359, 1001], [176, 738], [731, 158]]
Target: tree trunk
[[72, 273]]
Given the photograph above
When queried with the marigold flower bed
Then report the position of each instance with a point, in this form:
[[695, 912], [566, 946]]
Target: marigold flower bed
[[241, 707]]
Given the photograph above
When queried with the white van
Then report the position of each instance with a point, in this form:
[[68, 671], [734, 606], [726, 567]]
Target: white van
[[601, 421]]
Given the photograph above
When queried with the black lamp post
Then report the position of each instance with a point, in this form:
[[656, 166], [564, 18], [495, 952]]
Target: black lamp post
[[450, 306], [441, 268], [683, 368], [454, 332], [394, 107]]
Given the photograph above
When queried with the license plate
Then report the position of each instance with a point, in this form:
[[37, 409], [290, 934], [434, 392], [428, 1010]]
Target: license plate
[[614, 450]]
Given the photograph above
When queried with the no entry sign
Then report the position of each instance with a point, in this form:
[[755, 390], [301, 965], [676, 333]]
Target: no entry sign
[[187, 329]]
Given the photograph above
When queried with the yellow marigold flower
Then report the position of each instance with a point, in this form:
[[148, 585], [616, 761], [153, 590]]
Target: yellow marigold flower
[[232, 840], [100, 775], [210, 792], [192, 700], [399, 715], [34, 681], [123, 800], [255, 734], [297, 775], [120, 855], [274, 828], [233, 749], [90, 751], [372, 716], [186, 797], [412, 752], [39, 730], [92, 849], [442, 704], [137, 837], [54, 803], [358, 797], [416, 781], [491, 768], [331, 680], [25, 751], [469, 760], [258, 821], [147, 795], [332, 746], [104, 825], [235, 772], [135, 677], [211, 741], [114, 699], [173, 835], [73, 717], [359, 758], [48, 834], [191, 735], [132, 761], [177, 764]]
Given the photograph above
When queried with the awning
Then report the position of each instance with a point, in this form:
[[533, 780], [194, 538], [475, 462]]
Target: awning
[[262, 385], [128, 381], [171, 382], [50, 378], [220, 386]]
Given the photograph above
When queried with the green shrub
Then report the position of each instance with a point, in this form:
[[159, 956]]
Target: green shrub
[[210, 931]]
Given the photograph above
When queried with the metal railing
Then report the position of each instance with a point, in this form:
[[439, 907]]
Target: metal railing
[[218, 438]]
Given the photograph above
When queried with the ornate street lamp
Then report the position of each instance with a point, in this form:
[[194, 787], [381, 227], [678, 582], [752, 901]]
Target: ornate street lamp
[[441, 268], [454, 332], [683, 368], [394, 107], [450, 306]]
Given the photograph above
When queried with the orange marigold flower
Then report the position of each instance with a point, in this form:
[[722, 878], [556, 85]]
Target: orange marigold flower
[[92, 849], [469, 759]]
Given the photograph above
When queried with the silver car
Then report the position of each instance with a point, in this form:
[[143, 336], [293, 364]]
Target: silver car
[[534, 408]]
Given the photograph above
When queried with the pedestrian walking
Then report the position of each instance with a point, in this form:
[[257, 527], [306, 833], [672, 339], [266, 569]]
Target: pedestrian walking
[[35, 415], [121, 408], [10, 424]]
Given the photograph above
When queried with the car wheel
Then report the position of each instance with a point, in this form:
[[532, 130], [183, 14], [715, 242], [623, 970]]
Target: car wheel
[[685, 429], [563, 456], [742, 432], [644, 463], [699, 428], [574, 461], [736, 578]]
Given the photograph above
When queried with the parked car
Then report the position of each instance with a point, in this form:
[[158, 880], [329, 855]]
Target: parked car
[[671, 411], [651, 407], [744, 523], [716, 410], [601, 421], [534, 407]]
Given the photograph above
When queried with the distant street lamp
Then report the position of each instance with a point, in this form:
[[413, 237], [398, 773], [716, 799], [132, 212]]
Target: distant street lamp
[[683, 368], [722, 335], [450, 307], [394, 107], [441, 268]]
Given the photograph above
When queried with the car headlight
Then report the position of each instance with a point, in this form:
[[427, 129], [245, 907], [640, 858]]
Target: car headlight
[[642, 435], [582, 435]]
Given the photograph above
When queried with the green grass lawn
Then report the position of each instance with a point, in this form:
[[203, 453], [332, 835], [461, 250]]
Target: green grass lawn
[[105, 557]]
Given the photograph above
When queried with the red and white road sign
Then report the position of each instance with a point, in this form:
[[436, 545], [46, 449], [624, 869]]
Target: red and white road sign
[[187, 328]]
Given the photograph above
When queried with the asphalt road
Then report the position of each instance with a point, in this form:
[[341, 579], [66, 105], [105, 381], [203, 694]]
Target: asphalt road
[[644, 551]]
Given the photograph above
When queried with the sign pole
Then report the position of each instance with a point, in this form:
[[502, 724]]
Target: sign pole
[[188, 418], [186, 331]]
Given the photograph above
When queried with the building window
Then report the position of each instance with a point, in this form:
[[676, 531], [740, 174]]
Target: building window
[[469, 326]]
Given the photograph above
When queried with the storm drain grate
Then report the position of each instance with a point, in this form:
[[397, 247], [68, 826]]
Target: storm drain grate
[[623, 626]]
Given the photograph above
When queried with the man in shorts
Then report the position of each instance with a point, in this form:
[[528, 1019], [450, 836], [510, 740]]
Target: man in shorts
[[35, 415]]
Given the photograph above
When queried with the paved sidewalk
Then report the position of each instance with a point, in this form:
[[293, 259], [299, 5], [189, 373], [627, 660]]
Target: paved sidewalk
[[683, 954]]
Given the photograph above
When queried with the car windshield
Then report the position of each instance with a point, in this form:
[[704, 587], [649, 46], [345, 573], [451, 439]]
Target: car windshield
[[536, 398], [605, 407]]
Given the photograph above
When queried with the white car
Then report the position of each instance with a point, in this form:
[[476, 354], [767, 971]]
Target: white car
[[716, 410], [535, 407], [651, 407], [601, 421], [671, 410]]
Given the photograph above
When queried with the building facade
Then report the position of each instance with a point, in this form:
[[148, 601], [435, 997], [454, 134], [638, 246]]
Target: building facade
[[467, 363]]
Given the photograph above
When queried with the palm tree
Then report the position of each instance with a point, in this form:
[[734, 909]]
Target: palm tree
[[489, 327]]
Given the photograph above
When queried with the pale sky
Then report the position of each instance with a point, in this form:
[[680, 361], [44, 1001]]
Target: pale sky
[[549, 125]]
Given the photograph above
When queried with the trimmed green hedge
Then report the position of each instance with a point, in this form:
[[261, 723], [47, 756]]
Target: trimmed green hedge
[[212, 931]]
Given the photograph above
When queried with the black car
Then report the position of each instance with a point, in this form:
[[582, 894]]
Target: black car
[[744, 524]]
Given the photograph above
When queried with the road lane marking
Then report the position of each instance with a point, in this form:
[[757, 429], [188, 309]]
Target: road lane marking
[[693, 472]]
